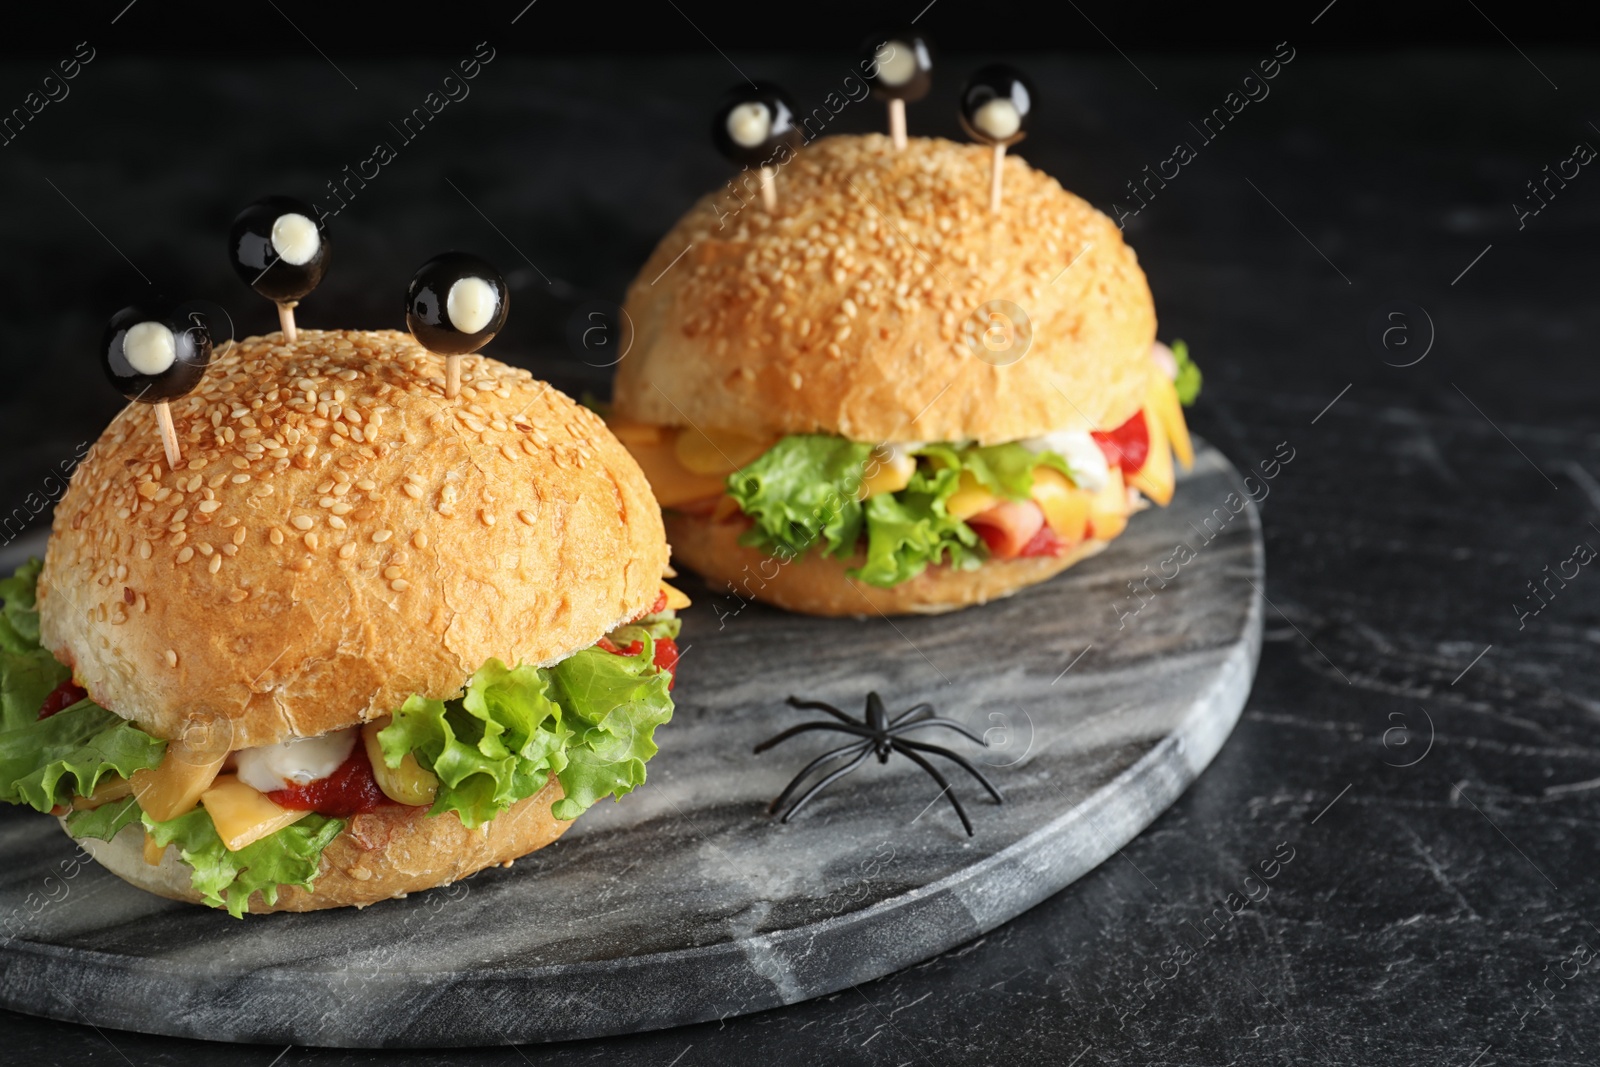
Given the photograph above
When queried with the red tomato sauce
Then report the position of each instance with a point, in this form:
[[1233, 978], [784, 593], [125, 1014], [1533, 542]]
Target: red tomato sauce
[[61, 698], [666, 657], [1128, 446], [350, 790]]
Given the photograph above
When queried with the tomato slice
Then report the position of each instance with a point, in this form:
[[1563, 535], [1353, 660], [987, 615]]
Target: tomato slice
[[61, 698], [350, 790], [1128, 446]]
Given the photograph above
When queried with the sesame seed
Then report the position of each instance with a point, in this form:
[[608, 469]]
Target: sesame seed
[[185, 554], [419, 540], [399, 585], [238, 595], [392, 572], [275, 535], [380, 536], [215, 565], [348, 550], [303, 522], [412, 491], [172, 658], [311, 540], [487, 516], [144, 549], [206, 507]]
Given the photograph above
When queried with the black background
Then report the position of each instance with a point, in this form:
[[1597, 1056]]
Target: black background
[[1424, 908]]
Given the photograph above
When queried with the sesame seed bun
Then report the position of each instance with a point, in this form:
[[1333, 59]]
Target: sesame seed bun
[[814, 584], [338, 537], [855, 310], [382, 854]]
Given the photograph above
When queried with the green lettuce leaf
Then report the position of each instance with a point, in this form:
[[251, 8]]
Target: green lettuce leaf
[[226, 879], [19, 617], [28, 673], [50, 761], [1189, 378], [909, 530], [801, 490], [105, 821], [613, 704]]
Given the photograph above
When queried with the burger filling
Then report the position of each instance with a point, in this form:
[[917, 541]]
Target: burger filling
[[900, 508], [258, 819]]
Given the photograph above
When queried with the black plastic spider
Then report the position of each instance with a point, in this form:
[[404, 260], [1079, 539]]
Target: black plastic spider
[[880, 735]]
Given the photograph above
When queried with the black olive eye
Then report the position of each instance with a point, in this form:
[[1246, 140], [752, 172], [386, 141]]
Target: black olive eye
[[156, 354], [898, 65], [456, 304], [996, 105], [753, 123], [278, 249]]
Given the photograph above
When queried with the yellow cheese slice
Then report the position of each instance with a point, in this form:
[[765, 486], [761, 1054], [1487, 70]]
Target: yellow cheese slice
[[1108, 511], [669, 481], [1066, 507], [243, 815], [676, 600], [716, 453], [970, 498], [112, 787], [1155, 478], [1162, 403]]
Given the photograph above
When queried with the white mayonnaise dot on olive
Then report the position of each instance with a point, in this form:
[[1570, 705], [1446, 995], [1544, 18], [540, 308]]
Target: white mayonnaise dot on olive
[[295, 239], [294, 762], [150, 348], [471, 304], [998, 118], [749, 124], [896, 63]]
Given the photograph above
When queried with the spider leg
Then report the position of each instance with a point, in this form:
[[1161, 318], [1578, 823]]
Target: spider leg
[[944, 786], [825, 780], [813, 765], [906, 716], [950, 724], [853, 728], [817, 705], [901, 745]]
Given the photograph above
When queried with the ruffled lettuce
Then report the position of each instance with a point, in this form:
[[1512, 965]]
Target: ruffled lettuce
[[105, 821], [1189, 378], [589, 720], [50, 761], [803, 492], [27, 672], [224, 879]]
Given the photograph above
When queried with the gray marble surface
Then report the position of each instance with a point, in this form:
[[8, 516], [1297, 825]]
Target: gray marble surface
[[686, 902]]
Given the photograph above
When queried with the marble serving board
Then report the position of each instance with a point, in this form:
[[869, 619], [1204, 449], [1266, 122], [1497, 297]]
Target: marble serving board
[[686, 902]]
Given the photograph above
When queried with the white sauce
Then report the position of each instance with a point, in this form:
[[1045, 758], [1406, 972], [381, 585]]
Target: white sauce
[[999, 119], [471, 304], [896, 64], [295, 762], [1082, 454], [150, 348], [749, 124], [295, 239]]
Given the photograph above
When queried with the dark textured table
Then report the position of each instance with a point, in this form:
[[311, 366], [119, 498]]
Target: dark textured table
[[1421, 741]]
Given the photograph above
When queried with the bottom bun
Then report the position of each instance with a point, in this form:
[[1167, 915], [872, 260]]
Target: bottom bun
[[383, 854], [814, 584]]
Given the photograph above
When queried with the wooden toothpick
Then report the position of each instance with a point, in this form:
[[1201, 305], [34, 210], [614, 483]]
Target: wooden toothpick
[[769, 189], [452, 376], [169, 435], [286, 320], [994, 179], [897, 122]]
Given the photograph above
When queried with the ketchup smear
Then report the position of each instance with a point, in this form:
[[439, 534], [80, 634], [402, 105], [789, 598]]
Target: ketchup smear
[[1128, 446], [350, 790], [666, 657], [61, 698]]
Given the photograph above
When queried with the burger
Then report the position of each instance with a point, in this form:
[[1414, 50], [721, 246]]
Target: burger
[[360, 641], [885, 397]]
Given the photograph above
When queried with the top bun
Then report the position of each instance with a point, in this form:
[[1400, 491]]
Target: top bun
[[338, 537], [855, 309]]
